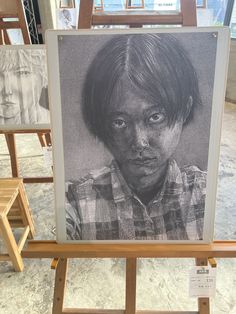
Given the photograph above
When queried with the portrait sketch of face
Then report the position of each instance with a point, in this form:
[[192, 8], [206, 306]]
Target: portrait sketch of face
[[66, 18], [136, 127], [23, 87]]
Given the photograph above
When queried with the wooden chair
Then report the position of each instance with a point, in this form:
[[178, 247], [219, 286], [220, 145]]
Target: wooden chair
[[14, 213]]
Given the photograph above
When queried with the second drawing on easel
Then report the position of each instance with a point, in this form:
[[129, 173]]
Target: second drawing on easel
[[23, 88]]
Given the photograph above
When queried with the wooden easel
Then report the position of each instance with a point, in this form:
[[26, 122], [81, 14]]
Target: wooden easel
[[203, 253], [60, 253], [14, 9]]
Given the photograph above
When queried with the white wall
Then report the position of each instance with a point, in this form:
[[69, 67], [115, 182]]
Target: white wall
[[231, 83], [47, 11]]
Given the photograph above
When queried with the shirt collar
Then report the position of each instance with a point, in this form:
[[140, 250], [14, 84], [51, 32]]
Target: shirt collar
[[121, 190]]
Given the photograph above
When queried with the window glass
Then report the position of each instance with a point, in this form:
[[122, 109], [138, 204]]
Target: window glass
[[118, 5], [233, 22], [211, 12]]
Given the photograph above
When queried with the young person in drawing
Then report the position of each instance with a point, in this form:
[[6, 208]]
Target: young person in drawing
[[23, 87], [139, 93]]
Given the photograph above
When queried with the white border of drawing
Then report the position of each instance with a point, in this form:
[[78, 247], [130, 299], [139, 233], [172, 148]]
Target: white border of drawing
[[215, 129], [16, 127]]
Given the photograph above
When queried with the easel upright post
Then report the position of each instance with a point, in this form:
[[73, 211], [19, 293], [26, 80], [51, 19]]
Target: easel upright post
[[60, 284], [85, 14], [11, 144], [203, 303], [130, 297], [189, 13]]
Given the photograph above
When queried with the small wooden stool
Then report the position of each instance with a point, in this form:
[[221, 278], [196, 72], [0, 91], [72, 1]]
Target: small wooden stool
[[14, 213]]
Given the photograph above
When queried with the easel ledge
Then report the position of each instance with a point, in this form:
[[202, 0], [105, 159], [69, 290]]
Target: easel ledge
[[52, 249], [23, 131]]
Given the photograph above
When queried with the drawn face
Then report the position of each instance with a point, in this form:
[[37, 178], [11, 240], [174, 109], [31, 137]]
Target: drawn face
[[20, 90], [140, 138]]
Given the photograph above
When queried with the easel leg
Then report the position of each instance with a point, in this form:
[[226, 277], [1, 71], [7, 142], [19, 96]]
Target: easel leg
[[203, 303], [10, 139], [42, 139], [45, 139], [6, 37], [59, 288], [130, 300], [48, 139]]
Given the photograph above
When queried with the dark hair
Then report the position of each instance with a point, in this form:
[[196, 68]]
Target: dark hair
[[156, 66]]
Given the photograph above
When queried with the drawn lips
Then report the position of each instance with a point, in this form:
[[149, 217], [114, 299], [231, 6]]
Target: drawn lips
[[9, 110], [142, 161], [8, 105]]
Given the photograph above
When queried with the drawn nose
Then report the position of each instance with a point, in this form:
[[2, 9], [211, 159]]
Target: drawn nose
[[7, 88], [140, 140]]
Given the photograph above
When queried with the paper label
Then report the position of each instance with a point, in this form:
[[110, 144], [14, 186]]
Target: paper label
[[202, 281], [47, 153]]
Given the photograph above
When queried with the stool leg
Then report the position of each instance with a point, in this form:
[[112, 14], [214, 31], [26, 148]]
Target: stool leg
[[10, 243], [25, 209]]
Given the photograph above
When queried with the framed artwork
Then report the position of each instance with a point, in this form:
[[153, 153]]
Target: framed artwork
[[136, 119], [67, 18], [24, 87]]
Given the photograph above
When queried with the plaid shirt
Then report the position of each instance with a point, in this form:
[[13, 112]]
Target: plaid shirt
[[101, 206]]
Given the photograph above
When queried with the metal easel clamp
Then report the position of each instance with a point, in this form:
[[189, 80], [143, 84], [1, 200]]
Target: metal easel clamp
[[212, 262], [54, 263]]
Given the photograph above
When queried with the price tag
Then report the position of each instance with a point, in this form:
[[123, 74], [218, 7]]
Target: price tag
[[202, 282], [47, 153]]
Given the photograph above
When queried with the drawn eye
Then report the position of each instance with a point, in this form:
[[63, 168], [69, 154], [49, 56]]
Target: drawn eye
[[118, 124], [23, 72], [156, 117]]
